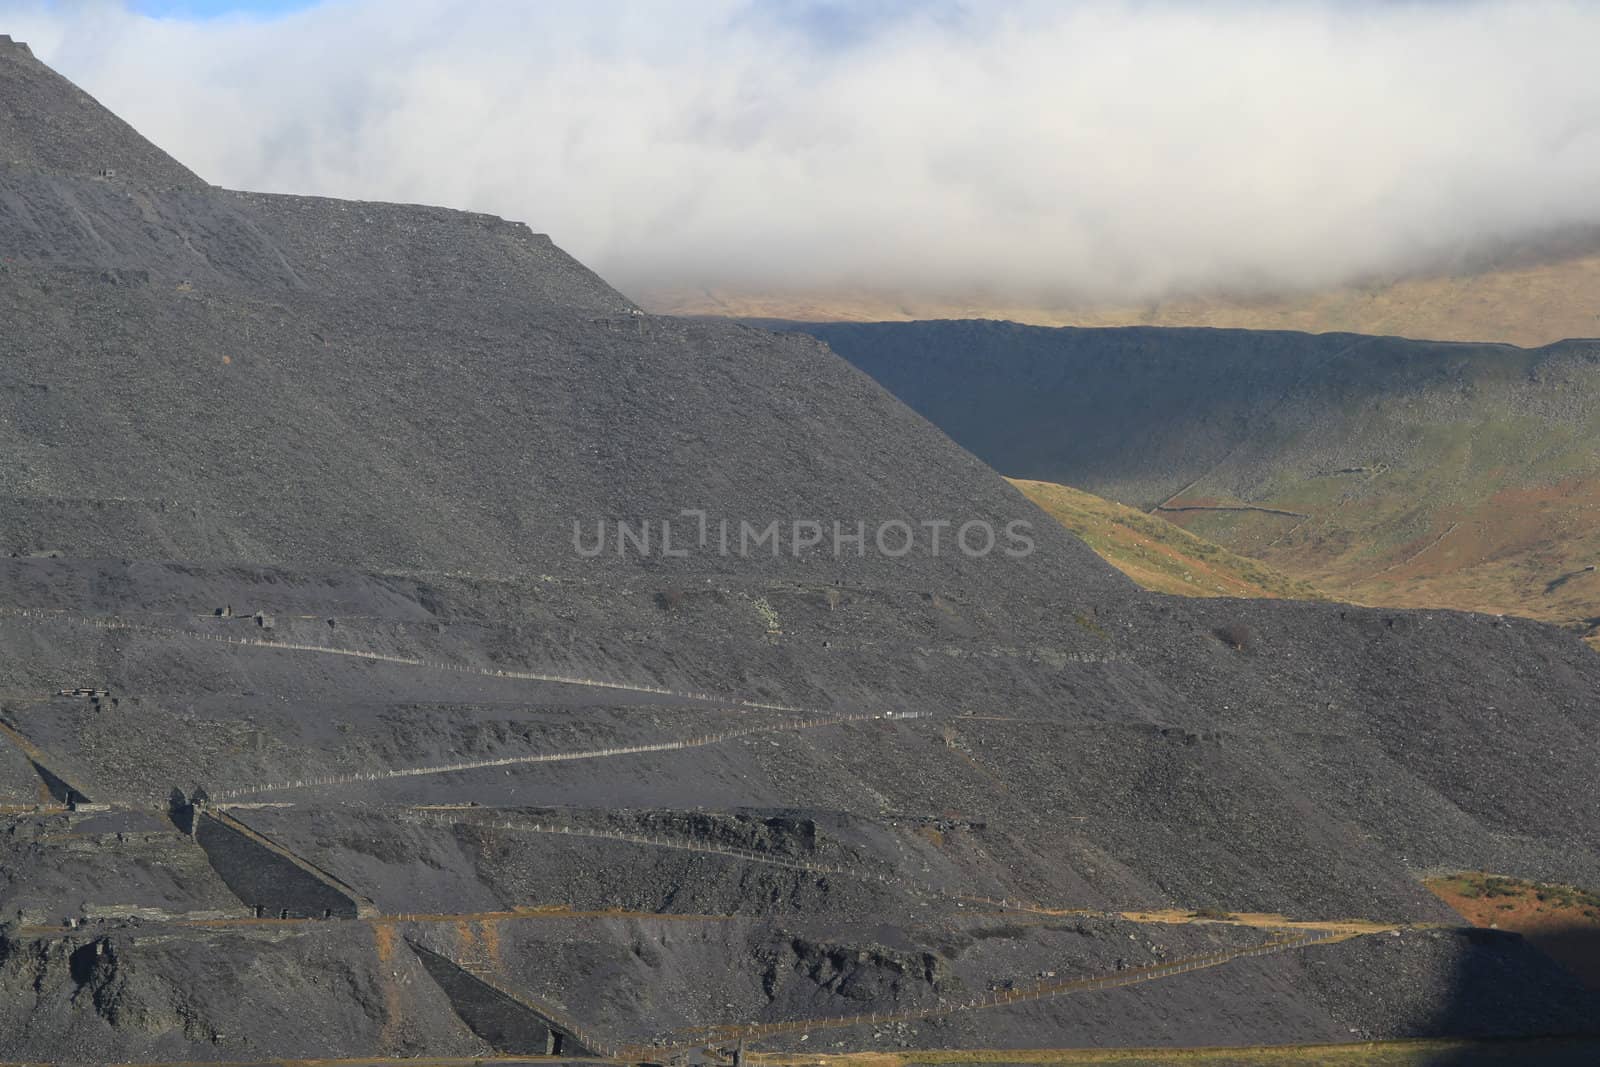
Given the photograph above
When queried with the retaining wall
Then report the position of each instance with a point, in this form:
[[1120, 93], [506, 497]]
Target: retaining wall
[[263, 879], [495, 1016]]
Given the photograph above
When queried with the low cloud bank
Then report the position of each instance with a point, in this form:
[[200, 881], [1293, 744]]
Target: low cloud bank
[[1110, 151]]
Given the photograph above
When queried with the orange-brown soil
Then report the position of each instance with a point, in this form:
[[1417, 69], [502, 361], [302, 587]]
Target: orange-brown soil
[[1563, 922]]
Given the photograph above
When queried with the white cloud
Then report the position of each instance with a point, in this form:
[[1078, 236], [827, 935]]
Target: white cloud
[[1124, 150]]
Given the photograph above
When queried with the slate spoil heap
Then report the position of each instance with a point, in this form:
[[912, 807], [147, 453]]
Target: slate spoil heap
[[472, 792]]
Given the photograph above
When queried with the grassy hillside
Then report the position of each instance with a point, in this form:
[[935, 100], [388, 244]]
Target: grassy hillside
[[1380, 470], [1524, 303], [1474, 544], [1158, 554]]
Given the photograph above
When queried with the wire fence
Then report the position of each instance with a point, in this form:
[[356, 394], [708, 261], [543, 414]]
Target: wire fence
[[883, 878], [817, 717], [728, 1033], [559, 757], [1002, 998], [113, 622], [725, 1032]]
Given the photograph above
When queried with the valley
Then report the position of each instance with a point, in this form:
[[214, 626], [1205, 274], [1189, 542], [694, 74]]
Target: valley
[[1378, 470]]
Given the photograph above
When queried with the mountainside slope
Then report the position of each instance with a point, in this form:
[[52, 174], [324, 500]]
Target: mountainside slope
[[1381, 470], [1531, 297], [347, 748], [1157, 554], [48, 124], [365, 369]]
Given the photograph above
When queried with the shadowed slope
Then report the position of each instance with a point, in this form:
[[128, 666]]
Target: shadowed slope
[[1416, 474]]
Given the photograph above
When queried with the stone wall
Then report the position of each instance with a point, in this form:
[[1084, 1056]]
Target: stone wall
[[275, 885], [504, 1022]]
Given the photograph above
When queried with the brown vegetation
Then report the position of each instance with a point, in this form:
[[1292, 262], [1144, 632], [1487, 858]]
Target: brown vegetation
[[1526, 304], [1563, 921], [1158, 554]]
